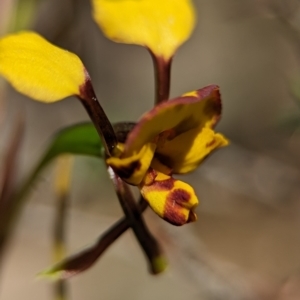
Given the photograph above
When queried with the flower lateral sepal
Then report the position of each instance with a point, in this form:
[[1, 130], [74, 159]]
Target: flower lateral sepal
[[171, 199]]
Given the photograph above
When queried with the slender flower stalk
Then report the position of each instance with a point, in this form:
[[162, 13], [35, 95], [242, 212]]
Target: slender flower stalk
[[162, 76], [147, 241], [104, 128], [8, 183], [62, 188]]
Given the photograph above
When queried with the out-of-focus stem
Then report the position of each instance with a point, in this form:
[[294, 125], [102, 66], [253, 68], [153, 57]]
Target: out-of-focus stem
[[162, 69], [16, 203], [62, 187], [147, 241], [9, 173], [6, 190]]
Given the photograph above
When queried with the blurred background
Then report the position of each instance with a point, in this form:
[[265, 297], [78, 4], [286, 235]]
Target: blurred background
[[246, 242]]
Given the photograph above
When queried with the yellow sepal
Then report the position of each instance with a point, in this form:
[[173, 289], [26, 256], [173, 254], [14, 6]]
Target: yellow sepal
[[38, 69], [161, 26], [186, 151]]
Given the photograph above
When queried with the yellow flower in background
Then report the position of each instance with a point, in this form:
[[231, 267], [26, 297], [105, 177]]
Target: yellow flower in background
[[160, 25], [173, 138], [39, 69]]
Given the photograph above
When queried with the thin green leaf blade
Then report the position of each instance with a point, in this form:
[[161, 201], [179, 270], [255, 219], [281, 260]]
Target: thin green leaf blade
[[80, 139]]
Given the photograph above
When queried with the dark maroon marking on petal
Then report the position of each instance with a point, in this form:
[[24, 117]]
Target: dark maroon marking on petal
[[211, 143], [213, 107], [169, 135], [180, 196], [208, 90], [211, 91], [150, 177], [164, 185], [126, 172], [173, 215], [185, 123], [174, 206]]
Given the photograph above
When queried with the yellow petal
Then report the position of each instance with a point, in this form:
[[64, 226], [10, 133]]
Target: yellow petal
[[39, 69], [171, 199], [201, 108], [162, 26], [185, 152], [133, 169]]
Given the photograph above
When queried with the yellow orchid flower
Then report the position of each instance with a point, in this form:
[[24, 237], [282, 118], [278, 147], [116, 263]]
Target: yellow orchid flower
[[161, 26], [39, 69], [173, 138]]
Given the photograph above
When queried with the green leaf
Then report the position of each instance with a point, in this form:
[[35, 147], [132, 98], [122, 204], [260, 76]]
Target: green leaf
[[79, 139]]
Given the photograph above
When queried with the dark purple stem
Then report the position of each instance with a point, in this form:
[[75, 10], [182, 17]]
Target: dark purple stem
[[162, 69], [7, 204], [84, 260], [132, 212], [95, 111]]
